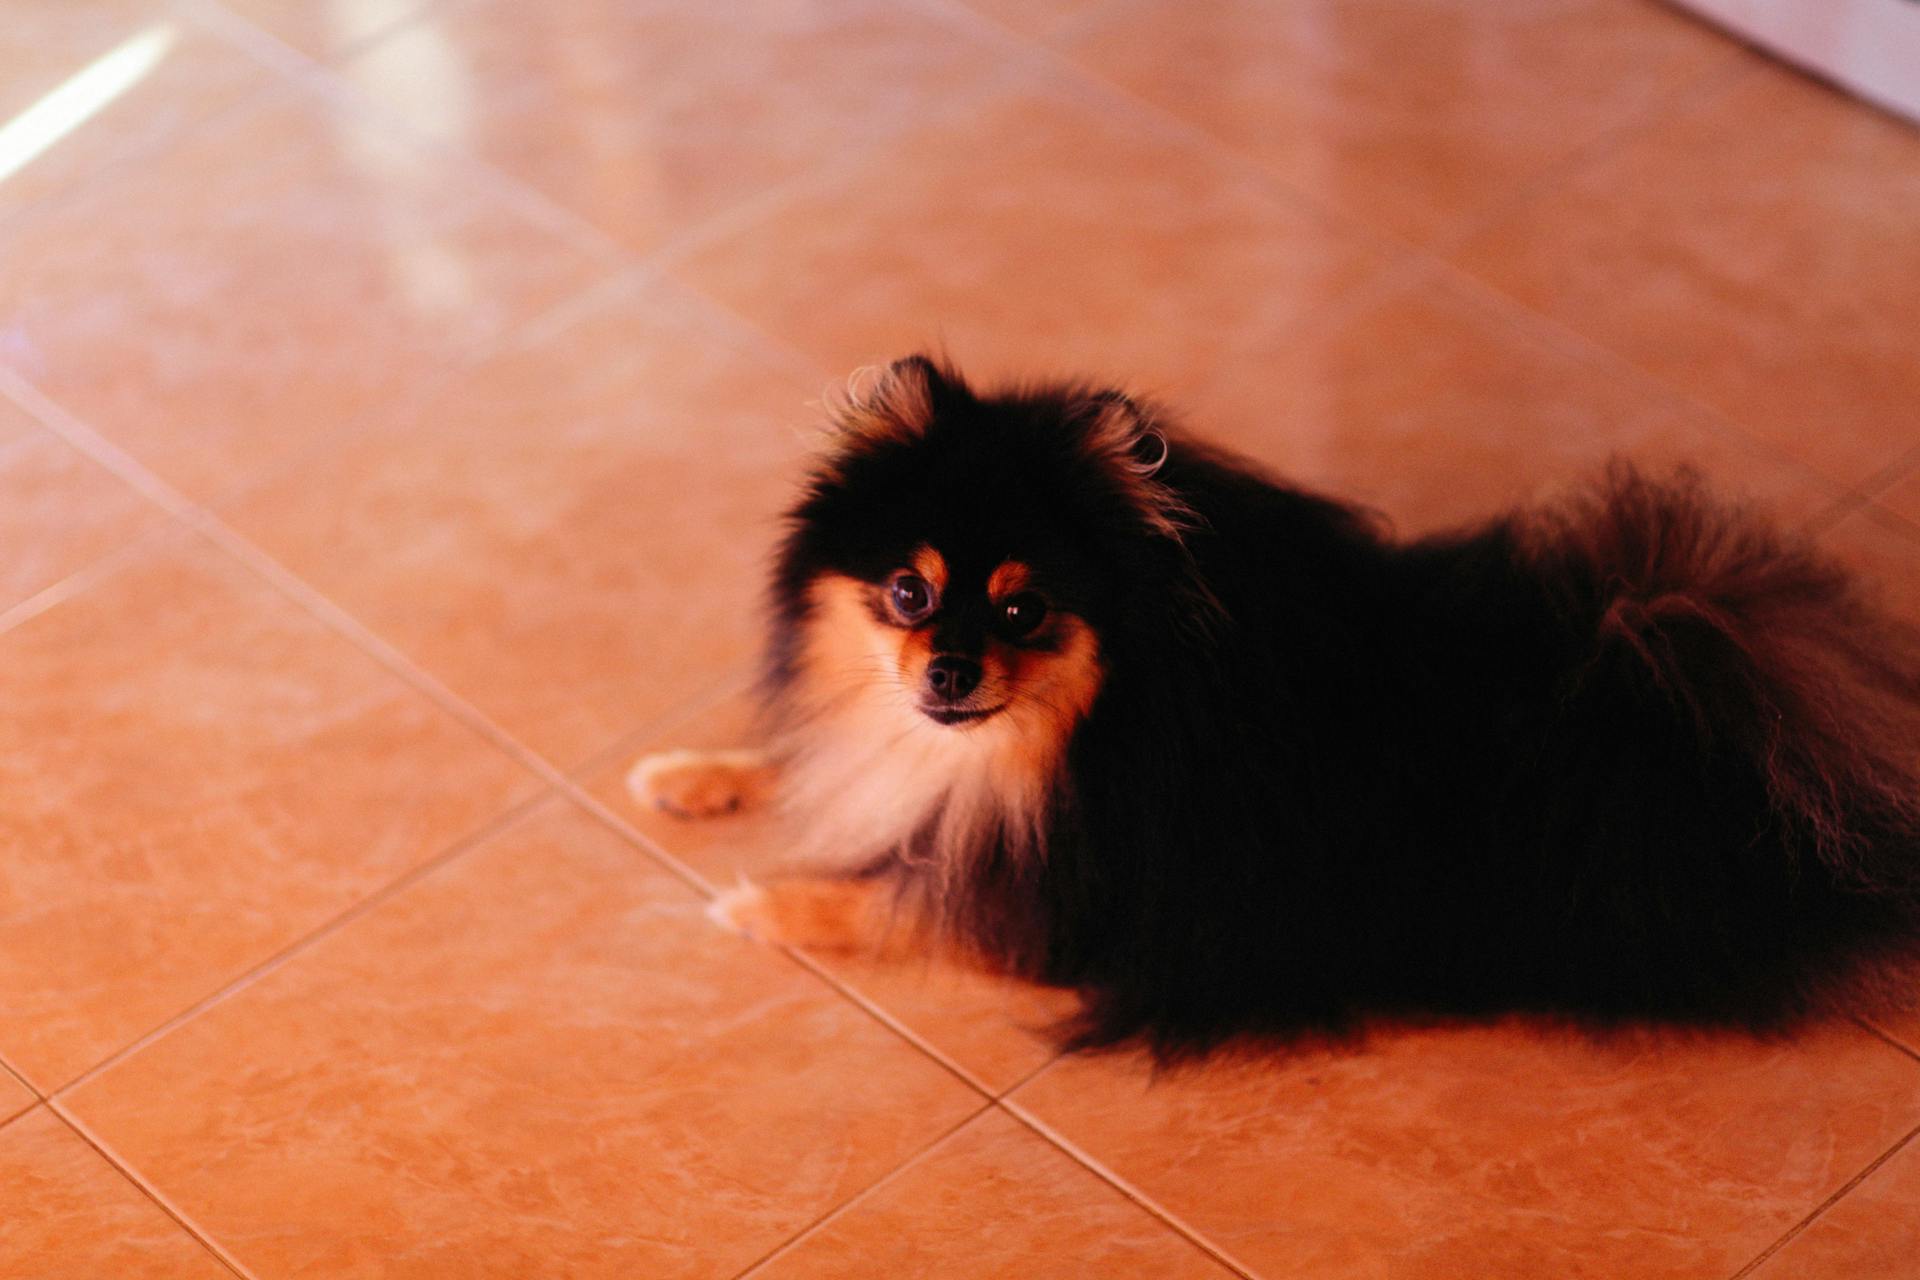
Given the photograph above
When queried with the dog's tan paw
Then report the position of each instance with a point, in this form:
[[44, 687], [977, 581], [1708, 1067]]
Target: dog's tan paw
[[698, 784], [819, 915], [748, 910]]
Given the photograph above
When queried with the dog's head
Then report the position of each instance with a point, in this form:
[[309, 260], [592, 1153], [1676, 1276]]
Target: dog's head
[[959, 563]]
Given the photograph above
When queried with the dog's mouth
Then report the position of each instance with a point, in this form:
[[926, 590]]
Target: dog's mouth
[[960, 715]]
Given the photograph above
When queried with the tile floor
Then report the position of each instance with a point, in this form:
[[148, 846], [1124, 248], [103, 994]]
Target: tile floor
[[395, 397]]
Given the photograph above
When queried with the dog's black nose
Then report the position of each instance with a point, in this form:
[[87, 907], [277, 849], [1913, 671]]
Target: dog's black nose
[[952, 679]]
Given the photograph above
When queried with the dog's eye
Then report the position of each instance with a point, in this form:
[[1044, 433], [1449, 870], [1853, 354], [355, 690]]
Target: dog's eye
[[912, 597], [1020, 615]]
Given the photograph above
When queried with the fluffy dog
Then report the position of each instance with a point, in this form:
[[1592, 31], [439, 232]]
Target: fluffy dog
[[1105, 707]]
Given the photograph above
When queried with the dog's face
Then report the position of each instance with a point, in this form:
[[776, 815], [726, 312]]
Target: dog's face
[[959, 629], [955, 574]]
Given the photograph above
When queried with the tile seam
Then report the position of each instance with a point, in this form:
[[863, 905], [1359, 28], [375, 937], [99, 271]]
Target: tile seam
[[180, 1218], [1821, 1209], [845, 1206], [1111, 1177]]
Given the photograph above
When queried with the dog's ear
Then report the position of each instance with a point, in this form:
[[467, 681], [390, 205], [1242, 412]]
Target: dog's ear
[[893, 401], [1126, 434], [1124, 430]]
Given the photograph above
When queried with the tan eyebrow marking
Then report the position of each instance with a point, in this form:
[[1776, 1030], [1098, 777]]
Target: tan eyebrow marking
[[1009, 578], [928, 564]]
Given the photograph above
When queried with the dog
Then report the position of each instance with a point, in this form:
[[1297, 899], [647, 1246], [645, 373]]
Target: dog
[[1056, 685]]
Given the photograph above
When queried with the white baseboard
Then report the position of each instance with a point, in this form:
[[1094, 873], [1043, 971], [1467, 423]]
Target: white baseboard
[[1870, 46]]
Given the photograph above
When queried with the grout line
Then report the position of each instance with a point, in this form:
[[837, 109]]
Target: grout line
[[1671, 105], [1890, 475], [84, 579], [31, 1107], [652, 849], [1097, 91], [1825, 1205], [1028, 1077], [752, 208], [253, 32], [55, 418], [423, 393], [317, 78], [7, 1068], [151, 1192], [1604, 359], [1875, 1029], [167, 138], [687, 715], [1125, 1188], [344, 624], [369, 642], [326, 928], [892, 1175], [1892, 520]]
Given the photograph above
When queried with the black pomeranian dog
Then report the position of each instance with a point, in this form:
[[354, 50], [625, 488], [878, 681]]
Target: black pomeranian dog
[[1107, 708]]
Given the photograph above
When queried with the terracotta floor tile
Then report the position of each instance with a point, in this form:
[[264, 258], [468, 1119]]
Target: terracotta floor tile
[[102, 80], [1765, 271], [540, 1060], [1040, 19], [1439, 407], [1041, 233], [59, 511], [249, 290], [1494, 1152], [572, 535], [1872, 1234], [1413, 117], [1887, 552], [1902, 1027], [645, 117], [15, 1097], [1903, 498], [327, 28], [993, 1202], [197, 774], [64, 1211], [991, 1027]]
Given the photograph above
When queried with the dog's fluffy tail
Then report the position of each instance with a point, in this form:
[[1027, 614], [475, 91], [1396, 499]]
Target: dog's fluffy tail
[[1769, 657]]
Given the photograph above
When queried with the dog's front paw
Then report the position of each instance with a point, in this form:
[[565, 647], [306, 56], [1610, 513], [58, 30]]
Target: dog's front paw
[[748, 910], [698, 784], [818, 914]]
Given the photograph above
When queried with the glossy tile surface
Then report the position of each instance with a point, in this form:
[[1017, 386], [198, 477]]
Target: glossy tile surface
[[86, 84], [1045, 20], [1495, 1152], [1763, 271], [1441, 405], [993, 1202], [64, 1211], [1903, 496], [540, 1058], [1887, 552], [329, 27], [493, 333], [15, 1097], [571, 534], [1045, 230], [198, 774], [59, 511], [1414, 117], [645, 117], [1873, 1234], [262, 283], [992, 1028]]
